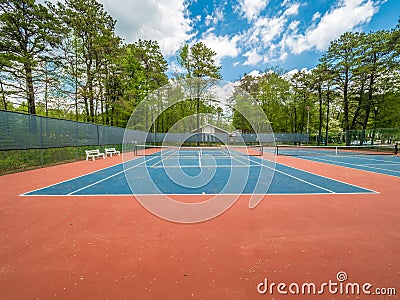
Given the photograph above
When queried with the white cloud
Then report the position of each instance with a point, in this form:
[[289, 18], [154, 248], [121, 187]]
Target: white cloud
[[262, 39], [289, 75], [269, 29], [255, 73], [165, 21], [215, 17], [293, 26], [208, 20], [253, 57], [251, 9], [292, 10], [316, 16], [348, 15], [224, 46]]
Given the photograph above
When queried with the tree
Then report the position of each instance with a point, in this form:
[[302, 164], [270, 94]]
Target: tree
[[301, 82], [92, 31], [28, 32], [143, 70], [154, 65], [375, 64], [199, 62], [323, 82], [342, 57], [184, 60], [272, 93]]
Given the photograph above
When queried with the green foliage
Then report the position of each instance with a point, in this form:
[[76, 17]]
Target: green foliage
[[94, 41], [29, 32], [199, 61], [272, 93], [22, 160]]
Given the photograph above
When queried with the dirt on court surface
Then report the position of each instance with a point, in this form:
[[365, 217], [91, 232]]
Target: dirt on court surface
[[111, 247]]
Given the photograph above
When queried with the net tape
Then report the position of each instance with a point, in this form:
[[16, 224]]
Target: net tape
[[186, 151], [288, 150]]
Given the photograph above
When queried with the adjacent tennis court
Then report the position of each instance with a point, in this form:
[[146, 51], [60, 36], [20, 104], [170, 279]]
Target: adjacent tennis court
[[377, 159]]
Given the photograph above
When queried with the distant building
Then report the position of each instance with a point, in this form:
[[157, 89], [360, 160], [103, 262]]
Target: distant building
[[211, 134]]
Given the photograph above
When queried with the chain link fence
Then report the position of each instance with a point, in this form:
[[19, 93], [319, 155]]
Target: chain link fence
[[379, 136], [29, 141]]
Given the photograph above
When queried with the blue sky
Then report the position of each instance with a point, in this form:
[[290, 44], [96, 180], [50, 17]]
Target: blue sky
[[250, 35]]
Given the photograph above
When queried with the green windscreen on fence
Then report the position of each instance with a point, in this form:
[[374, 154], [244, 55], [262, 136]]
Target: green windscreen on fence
[[22, 131]]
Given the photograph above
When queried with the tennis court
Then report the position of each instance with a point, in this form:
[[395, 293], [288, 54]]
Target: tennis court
[[377, 159], [197, 171]]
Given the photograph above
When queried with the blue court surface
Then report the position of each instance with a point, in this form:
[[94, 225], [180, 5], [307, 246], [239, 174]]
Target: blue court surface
[[382, 164], [195, 174]]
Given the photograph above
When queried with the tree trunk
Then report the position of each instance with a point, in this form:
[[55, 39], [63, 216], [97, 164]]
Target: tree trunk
[[327, 117], [320, 114], [46, 87], [359, 105], [91, 101], [76, 79], [198, 111], [30, 94], [3, 95], [85, 100], [346, 104], [89, 85], [370, 94], [369, 104]]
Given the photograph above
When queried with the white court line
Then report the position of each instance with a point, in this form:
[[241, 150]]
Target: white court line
[[200, 154], [106, 178], [204, 166], [374, 159], [291, 176], [245, 194], [163, 158], [380, 164], [360, 187], [80, 176], [358, 165], [240, 161]]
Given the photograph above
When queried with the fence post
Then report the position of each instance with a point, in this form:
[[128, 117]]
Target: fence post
[[76, 141], [41, 140], [98, 135]]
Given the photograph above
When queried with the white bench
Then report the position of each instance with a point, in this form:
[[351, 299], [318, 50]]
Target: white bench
[[111, 151], [94, 154]]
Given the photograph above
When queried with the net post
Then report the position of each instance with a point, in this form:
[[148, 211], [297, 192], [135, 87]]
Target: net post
[[135, 148]]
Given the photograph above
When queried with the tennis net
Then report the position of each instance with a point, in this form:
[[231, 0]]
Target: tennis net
[[288, 150], [187, 151]]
